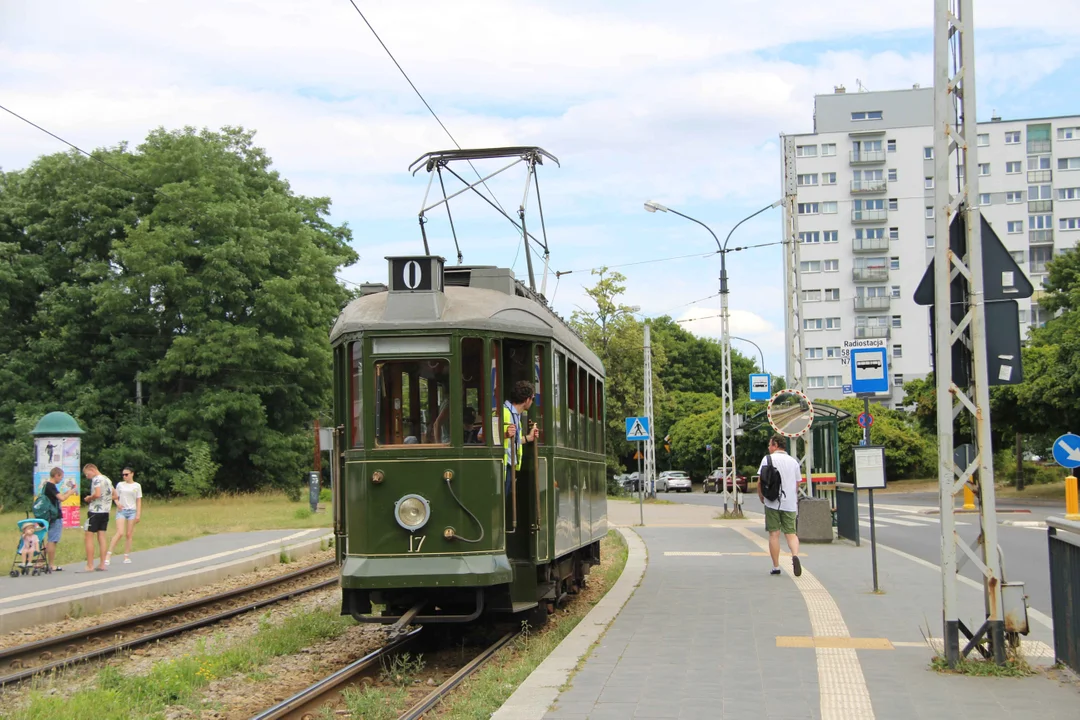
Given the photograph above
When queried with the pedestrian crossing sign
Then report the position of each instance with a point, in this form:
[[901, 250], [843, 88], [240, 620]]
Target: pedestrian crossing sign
[[637, 429]]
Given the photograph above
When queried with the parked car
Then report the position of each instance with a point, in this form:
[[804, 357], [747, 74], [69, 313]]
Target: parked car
[[631, 482], [714, 482], [675, 480]]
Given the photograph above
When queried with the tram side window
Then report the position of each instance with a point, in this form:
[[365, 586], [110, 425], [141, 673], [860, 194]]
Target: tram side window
[[572, 421], [583, 408], [496, 415], [557, 374], [600, 424], [592, 414], [412, 402], [356, 394], [536, 414], [472, 390]]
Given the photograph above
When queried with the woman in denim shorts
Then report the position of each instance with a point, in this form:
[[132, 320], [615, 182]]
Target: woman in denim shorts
[[128, 497]]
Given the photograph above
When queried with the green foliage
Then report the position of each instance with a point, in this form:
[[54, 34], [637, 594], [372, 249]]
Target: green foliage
[[694, 363], [199, 273], [908, 451], [197, 477], [401, 669]]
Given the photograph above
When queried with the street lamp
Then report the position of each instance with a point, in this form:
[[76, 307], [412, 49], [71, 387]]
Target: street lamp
[[736, 337], [727, 397]]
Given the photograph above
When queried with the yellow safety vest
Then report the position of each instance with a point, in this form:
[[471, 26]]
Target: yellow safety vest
[[508, 420]]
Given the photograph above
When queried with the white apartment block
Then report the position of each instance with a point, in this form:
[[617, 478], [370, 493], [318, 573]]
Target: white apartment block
[[865, 203]]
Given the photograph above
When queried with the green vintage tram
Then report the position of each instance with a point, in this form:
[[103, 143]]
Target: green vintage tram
[[425, 527]]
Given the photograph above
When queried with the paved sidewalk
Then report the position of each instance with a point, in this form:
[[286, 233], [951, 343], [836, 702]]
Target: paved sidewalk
[[710, 634]]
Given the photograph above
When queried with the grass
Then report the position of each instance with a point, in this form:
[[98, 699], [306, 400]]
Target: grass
[[115, 696], [165, 522], [1013, 667]]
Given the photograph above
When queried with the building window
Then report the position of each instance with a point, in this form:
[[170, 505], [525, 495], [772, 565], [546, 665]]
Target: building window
[[828, 178], [808, 208], [1012, 137], [832, 266], [806, 151], [894, 204], [1017, 255], [1040, 222], [835, 381], [984, 169], [866, 115], [805, 180], [984, 140], [832, 323], [828, 208], [1015, 226], [1014, 197], [1013, 167], [1038, 316], [1039, 162], [929, 212], [828, 149], [890, 145], [810, 237], [1069, 223], [1022, 315], [811, 324], [894, 233], [894, 263], [928, 183], [815, 353], [892, 174], [1068, 194], [1068, 133], [810, 266], [896, 321], [928, 153], [869, 233], [832, 294], [1038, 192], [898, 380], [830, 236], [815, 382], [984, 198], [811, 296], [1069, 163], [929, 241], [894, 291], [898, 351], [833, 352]]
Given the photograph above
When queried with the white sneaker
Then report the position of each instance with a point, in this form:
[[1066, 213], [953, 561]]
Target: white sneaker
[[127, 560], [108, 557]]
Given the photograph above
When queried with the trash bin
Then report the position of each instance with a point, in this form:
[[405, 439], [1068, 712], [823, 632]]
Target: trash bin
[[815, 524]]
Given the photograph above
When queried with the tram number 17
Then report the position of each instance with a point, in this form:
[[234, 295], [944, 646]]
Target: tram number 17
[[415, 541]]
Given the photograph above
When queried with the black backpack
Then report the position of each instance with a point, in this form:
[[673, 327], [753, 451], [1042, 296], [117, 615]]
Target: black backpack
[[771, 483]]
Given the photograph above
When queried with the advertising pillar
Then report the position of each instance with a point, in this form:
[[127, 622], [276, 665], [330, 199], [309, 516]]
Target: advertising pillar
[[58, 444]]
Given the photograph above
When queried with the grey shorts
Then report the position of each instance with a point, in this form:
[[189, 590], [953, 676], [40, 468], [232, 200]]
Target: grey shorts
[[56, 527]]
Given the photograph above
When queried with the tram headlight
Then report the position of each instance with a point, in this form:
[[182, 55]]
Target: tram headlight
[[412, 512]]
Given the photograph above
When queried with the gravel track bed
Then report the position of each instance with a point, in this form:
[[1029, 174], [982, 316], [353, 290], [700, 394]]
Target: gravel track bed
[[40, 632]]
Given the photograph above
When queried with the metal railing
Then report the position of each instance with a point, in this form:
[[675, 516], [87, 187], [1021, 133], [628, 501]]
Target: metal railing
[[869, 244], [1040, 237], [870, 274], [1040, 206], [1036, 267], [1063, 539], [1040, 176], [862, 157], [872, 303], [869, 215], [1038, 146], [876, 331], [869, 186]]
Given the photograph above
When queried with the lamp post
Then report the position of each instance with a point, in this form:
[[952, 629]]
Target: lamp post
[[727, 429], [736, 337]]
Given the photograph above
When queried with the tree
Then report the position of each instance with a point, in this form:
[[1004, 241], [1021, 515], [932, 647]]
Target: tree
[[694, 363], [196, 273]]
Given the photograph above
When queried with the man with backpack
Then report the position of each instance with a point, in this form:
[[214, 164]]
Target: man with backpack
[[778, 488], [47, 509]]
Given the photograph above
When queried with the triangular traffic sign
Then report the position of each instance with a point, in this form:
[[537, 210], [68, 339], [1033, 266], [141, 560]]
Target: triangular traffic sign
[[637, 430]]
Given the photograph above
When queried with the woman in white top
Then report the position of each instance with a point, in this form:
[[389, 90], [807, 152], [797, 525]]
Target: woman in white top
[[128, 497]]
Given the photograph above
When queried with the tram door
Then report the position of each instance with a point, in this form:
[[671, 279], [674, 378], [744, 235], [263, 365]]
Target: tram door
[[525, 523]]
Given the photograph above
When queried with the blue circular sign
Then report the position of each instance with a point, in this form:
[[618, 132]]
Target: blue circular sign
[[1067, 450], [865, 420]]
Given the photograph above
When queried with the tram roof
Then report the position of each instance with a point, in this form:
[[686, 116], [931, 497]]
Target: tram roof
[[467, 308]]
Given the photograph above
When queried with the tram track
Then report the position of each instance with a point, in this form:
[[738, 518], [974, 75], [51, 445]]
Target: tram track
[[26, 661], [306, 704]]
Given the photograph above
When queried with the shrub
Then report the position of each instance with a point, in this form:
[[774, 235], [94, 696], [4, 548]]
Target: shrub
[[197, 478]]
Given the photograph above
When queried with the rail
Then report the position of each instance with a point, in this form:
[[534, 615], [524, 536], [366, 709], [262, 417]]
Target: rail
[[1063, 539], [16, 657]]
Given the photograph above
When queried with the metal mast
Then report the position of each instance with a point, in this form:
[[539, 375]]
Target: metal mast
[[727, 431], [954, 129], [650, 444], [793, 325]]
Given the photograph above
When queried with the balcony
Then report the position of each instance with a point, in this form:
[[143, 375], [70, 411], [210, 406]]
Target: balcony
[[860, 187], [868, 216], [1038, 146], [870, 274], [1040, 237], [869, 244], [1040, 176], [872, 332], [1037, 267], [866, 157], [872, 303], [1040, 206]]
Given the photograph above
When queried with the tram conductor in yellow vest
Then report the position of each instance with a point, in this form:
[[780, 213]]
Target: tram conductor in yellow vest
[[521, 399]]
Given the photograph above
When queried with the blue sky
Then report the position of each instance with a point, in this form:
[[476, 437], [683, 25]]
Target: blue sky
[[680, 103]]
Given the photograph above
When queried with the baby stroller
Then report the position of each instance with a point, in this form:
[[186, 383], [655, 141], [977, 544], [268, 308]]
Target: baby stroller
[[38, 563]]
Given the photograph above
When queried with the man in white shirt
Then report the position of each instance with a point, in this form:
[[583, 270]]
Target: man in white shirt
[[780, 514]]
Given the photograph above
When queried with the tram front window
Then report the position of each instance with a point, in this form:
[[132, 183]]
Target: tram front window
[[412, 402]]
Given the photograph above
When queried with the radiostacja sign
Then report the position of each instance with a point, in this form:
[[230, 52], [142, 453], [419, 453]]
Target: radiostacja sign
[[63, 453], [849, 345]]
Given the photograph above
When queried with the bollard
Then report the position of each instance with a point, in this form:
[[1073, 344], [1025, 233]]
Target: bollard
[[1072, 499], [969, 498]]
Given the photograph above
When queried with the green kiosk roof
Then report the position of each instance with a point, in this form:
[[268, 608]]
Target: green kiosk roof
[[57, 424]]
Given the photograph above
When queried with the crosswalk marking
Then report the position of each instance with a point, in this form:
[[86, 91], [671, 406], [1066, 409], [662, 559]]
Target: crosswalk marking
[[890, 520]]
